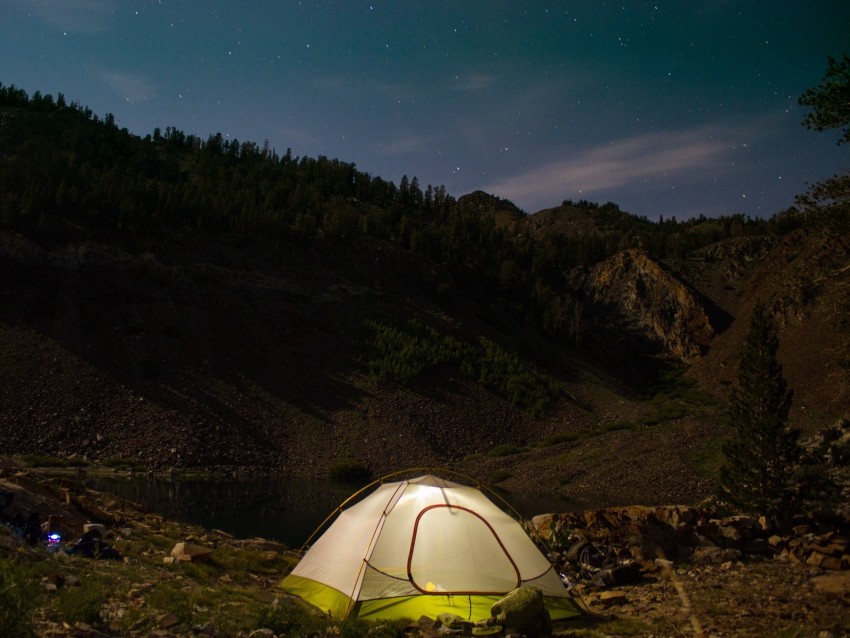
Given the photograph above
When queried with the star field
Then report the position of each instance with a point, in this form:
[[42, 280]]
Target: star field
[[666, 108]]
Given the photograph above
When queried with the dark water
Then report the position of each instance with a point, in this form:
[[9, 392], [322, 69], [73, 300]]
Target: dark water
[[283, 509]]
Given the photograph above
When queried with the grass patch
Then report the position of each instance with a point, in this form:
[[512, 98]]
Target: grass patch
[[507, 449], [19, 595], [707, 458], [41, 460], [562, 437], [289, 620], [82, 603], [123, 464], [664, 412], [624, 627], [229, 609], [170, 597], [616, 426], [580, 455], [497, 476], [241, 560], [357, 628], [676, 398], [158, 543]]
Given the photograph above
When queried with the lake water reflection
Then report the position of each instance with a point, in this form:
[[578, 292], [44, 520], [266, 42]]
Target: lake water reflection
[[283, 509]]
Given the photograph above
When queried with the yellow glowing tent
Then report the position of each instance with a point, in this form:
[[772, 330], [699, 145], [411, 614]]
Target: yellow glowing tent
[[423, 546]]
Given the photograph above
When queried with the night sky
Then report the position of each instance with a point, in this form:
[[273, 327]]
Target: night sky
[[666, 108]]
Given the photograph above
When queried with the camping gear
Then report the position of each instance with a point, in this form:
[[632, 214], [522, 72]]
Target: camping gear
[[423, 546]]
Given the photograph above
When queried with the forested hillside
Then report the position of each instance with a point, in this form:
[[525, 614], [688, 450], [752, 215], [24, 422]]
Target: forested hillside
[[62, 163], [190, 301]]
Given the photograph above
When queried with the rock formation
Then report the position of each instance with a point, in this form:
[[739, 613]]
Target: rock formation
[[654, 301]]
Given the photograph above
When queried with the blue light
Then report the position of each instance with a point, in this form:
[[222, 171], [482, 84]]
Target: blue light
[[54, 537]]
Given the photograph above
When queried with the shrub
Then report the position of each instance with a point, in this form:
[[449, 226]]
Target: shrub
[[815, 489], [506, 374], [506, 449], [17, 599], [402, 354]]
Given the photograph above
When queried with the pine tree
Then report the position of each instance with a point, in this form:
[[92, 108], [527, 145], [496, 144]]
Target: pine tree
[[830, 100], [757, 475]]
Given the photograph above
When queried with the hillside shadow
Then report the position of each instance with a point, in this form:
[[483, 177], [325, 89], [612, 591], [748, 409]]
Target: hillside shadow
[[200, 344], [719, 319]]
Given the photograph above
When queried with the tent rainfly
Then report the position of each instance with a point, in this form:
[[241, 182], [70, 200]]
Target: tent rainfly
[[423, 546]]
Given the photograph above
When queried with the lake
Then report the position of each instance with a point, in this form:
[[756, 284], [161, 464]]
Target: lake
[[283, 509]]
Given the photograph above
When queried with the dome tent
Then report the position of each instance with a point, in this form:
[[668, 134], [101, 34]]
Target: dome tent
[[423, 546]]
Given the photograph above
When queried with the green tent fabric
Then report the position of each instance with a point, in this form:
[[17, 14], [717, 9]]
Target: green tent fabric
[[423, 546]]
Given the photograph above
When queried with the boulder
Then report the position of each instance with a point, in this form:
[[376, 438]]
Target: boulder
[[519, 606], [523, 611], [188, 552], [836, 583], [611, 598], [100, 528], [167, 621]]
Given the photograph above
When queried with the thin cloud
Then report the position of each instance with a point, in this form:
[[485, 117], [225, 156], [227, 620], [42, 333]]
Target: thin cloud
[[299, 137], [80, 16], [405, 145], [627, 162], [472, 82], [130, 86]]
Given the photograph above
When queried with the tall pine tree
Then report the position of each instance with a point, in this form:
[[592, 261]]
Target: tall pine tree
[[757, 475]]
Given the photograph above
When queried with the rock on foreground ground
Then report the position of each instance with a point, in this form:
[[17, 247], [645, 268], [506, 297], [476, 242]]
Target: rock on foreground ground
[[665, 571], [668, 571]]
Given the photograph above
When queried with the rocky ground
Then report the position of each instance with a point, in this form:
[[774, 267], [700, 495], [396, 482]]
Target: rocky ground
[[673, 571], [732, 598], [666, 571]]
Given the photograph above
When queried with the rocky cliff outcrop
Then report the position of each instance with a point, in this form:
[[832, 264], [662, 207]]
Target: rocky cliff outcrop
[[654, 302], [737, 257]]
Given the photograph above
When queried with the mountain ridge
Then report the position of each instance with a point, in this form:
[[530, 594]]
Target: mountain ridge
[[210, 309]]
